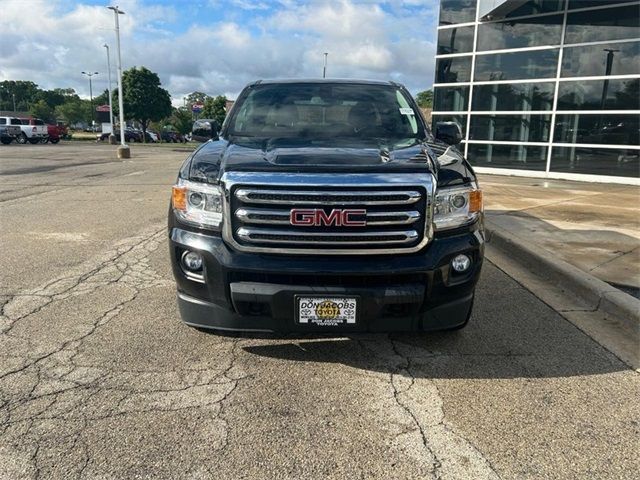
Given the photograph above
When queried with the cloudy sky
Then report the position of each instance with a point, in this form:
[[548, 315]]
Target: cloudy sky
[[218, 46]]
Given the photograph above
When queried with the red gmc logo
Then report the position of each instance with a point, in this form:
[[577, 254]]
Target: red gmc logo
[[317, 217]]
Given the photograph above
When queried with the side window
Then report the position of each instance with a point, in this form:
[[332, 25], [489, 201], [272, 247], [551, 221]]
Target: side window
[[38, 122], [3, 121], [16, 121]]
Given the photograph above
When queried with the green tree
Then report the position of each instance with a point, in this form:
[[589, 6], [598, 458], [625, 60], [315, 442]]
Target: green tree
[[102, 99], [74, 111], [57, 96], [196, 97], [144, 99], [425, 99], [215, 108], [42, 110], [182, 120], [24, 92]]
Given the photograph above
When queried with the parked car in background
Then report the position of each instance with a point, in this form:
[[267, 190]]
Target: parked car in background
[[152, 137], [171, 136], [34, 130], [63, 130], [130, 135], [204, 130], [9, 129], [55, 133]]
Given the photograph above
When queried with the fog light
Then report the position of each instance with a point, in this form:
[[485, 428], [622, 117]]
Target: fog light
[[461, 263], [192, 261]]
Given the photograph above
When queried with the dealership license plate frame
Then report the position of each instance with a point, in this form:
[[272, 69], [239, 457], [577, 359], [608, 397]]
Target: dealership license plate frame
[[355, 318]]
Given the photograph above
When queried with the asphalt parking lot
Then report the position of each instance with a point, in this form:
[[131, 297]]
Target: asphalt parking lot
[[100, 379]]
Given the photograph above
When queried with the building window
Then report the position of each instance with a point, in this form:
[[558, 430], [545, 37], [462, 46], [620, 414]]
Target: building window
[[596, 161], [609, 129], [603, 59], [603, 24], [457, 11], [600, 95], [450, 99], [504, 128], [455, 40], [461, 120], [521, 157], [573, 4], [517, 65], [534, 7], [513, 96], [452, 70], [529, 32]]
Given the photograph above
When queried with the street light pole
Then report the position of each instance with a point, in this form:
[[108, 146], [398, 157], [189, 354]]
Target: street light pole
[[91, 74], [324, 68], [112, 135], [123, 150]]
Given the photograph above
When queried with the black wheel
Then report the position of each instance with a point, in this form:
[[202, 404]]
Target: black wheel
[[44, 140], [22, 139], [6, 141], [54, 140], [34, 141]]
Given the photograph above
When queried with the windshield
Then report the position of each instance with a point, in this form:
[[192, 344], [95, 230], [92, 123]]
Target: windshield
[[324, 110]]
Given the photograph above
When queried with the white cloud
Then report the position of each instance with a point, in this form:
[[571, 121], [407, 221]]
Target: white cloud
[[50, 42]]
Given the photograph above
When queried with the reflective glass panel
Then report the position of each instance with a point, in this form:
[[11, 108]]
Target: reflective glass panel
[[596, 161], [573, 4], [611, 129], [461, 120], [603, 24], [600, 95], [523, 157], [517, 65], [603, 59], [521, 128], [528, 32], [451, 70], [450, 99], [514, 96], [533, 7], [457, 11], [455, 40]]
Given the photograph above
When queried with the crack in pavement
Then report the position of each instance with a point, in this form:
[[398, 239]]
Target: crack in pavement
[[50, 405], [452, 456]]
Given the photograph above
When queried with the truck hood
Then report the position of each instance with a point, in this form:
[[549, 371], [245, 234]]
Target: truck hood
[[209, 162]]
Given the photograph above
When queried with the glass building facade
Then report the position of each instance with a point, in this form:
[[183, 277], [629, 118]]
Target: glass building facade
[[543, 87]]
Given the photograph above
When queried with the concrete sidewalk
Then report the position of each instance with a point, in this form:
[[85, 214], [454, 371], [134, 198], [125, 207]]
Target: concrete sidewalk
[[594, 227]]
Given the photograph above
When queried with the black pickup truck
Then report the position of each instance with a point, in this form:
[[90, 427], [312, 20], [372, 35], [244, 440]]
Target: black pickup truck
[[326, 206]]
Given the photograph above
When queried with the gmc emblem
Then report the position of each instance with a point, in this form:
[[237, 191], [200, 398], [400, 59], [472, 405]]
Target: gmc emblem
[[317, 217]]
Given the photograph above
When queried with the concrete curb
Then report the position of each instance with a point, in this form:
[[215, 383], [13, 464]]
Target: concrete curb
[[593, 292]]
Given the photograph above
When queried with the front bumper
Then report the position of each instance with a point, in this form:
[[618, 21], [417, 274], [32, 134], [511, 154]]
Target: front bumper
[[256, 292]]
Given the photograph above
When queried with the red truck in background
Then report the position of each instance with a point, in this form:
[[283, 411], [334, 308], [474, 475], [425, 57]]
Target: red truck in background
[[56, 133]]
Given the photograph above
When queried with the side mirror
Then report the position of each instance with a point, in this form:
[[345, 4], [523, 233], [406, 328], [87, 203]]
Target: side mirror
[[449, 132]]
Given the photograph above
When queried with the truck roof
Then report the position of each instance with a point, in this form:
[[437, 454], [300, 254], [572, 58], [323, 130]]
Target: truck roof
[[324, 80]]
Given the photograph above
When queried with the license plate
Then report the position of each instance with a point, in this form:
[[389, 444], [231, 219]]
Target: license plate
[[327, 311]]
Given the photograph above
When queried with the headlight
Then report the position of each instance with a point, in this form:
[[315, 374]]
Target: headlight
[[457, 206], [198, 204]]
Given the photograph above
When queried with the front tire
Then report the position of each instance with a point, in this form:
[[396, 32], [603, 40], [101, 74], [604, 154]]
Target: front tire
[[34, 141], [54, 140], [6, 141], [22, 139]]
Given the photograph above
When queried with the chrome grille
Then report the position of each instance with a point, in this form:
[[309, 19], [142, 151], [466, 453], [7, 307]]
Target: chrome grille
[[258, 208]]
